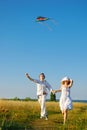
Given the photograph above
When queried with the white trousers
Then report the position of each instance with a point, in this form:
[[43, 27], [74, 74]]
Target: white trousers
[[42, 100]]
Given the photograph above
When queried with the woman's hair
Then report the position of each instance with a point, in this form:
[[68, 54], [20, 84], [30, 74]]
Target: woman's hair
[[42, 74], [68, 82]]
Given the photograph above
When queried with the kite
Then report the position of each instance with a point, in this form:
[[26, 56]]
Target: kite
[[43, 20], [40, 19]]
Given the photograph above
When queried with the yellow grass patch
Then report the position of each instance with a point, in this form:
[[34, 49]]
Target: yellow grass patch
[[27, 114]]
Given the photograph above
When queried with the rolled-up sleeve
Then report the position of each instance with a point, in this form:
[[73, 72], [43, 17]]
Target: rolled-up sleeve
[[36, 81], [49, 86]]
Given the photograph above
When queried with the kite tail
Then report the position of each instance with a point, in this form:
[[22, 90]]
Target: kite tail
[[47, 26], [53, 21]]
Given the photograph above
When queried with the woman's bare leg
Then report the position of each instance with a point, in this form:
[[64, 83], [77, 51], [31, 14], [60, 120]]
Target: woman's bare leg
[[65, 115]]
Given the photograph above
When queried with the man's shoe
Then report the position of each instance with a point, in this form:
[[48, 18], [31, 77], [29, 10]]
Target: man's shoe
[[41, 117], [46, 118]]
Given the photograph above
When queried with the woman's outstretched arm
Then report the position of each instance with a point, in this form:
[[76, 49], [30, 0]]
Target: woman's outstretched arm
[[55, 91]]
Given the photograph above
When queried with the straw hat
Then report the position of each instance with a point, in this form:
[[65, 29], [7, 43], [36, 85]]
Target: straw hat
[[65, 79], [69, 81]]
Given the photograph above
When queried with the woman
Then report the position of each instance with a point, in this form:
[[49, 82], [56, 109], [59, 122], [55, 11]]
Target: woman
[[65, 99]]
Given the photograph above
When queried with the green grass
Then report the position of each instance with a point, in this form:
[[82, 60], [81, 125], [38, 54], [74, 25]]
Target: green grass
[[20, 115]]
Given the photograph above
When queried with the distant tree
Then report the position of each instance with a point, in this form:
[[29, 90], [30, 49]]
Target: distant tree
[[16, 98], [52, 97], [27, 99]]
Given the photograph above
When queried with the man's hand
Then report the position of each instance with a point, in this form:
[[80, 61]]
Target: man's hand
[[53, 91], [27, 75]]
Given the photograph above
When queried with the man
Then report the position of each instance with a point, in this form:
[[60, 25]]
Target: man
[[42, 86]]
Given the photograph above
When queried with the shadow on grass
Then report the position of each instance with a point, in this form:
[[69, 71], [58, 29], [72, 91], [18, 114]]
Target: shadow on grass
[[54, 112]]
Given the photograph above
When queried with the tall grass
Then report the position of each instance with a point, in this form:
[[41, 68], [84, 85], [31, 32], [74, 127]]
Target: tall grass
[[20, 115]]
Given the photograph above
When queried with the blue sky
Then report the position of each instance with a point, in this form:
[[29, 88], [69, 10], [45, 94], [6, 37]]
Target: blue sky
[[28, 46]]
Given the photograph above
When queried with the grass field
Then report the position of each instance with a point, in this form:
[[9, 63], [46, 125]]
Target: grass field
[[20, 115]]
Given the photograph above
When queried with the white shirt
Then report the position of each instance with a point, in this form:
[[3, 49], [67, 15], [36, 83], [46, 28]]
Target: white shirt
[[42, 86]]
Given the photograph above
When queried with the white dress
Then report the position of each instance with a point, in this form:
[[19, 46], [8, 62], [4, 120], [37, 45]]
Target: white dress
[[65, 99]]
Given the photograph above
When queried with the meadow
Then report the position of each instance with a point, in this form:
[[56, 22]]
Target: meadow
[[25, 115]]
